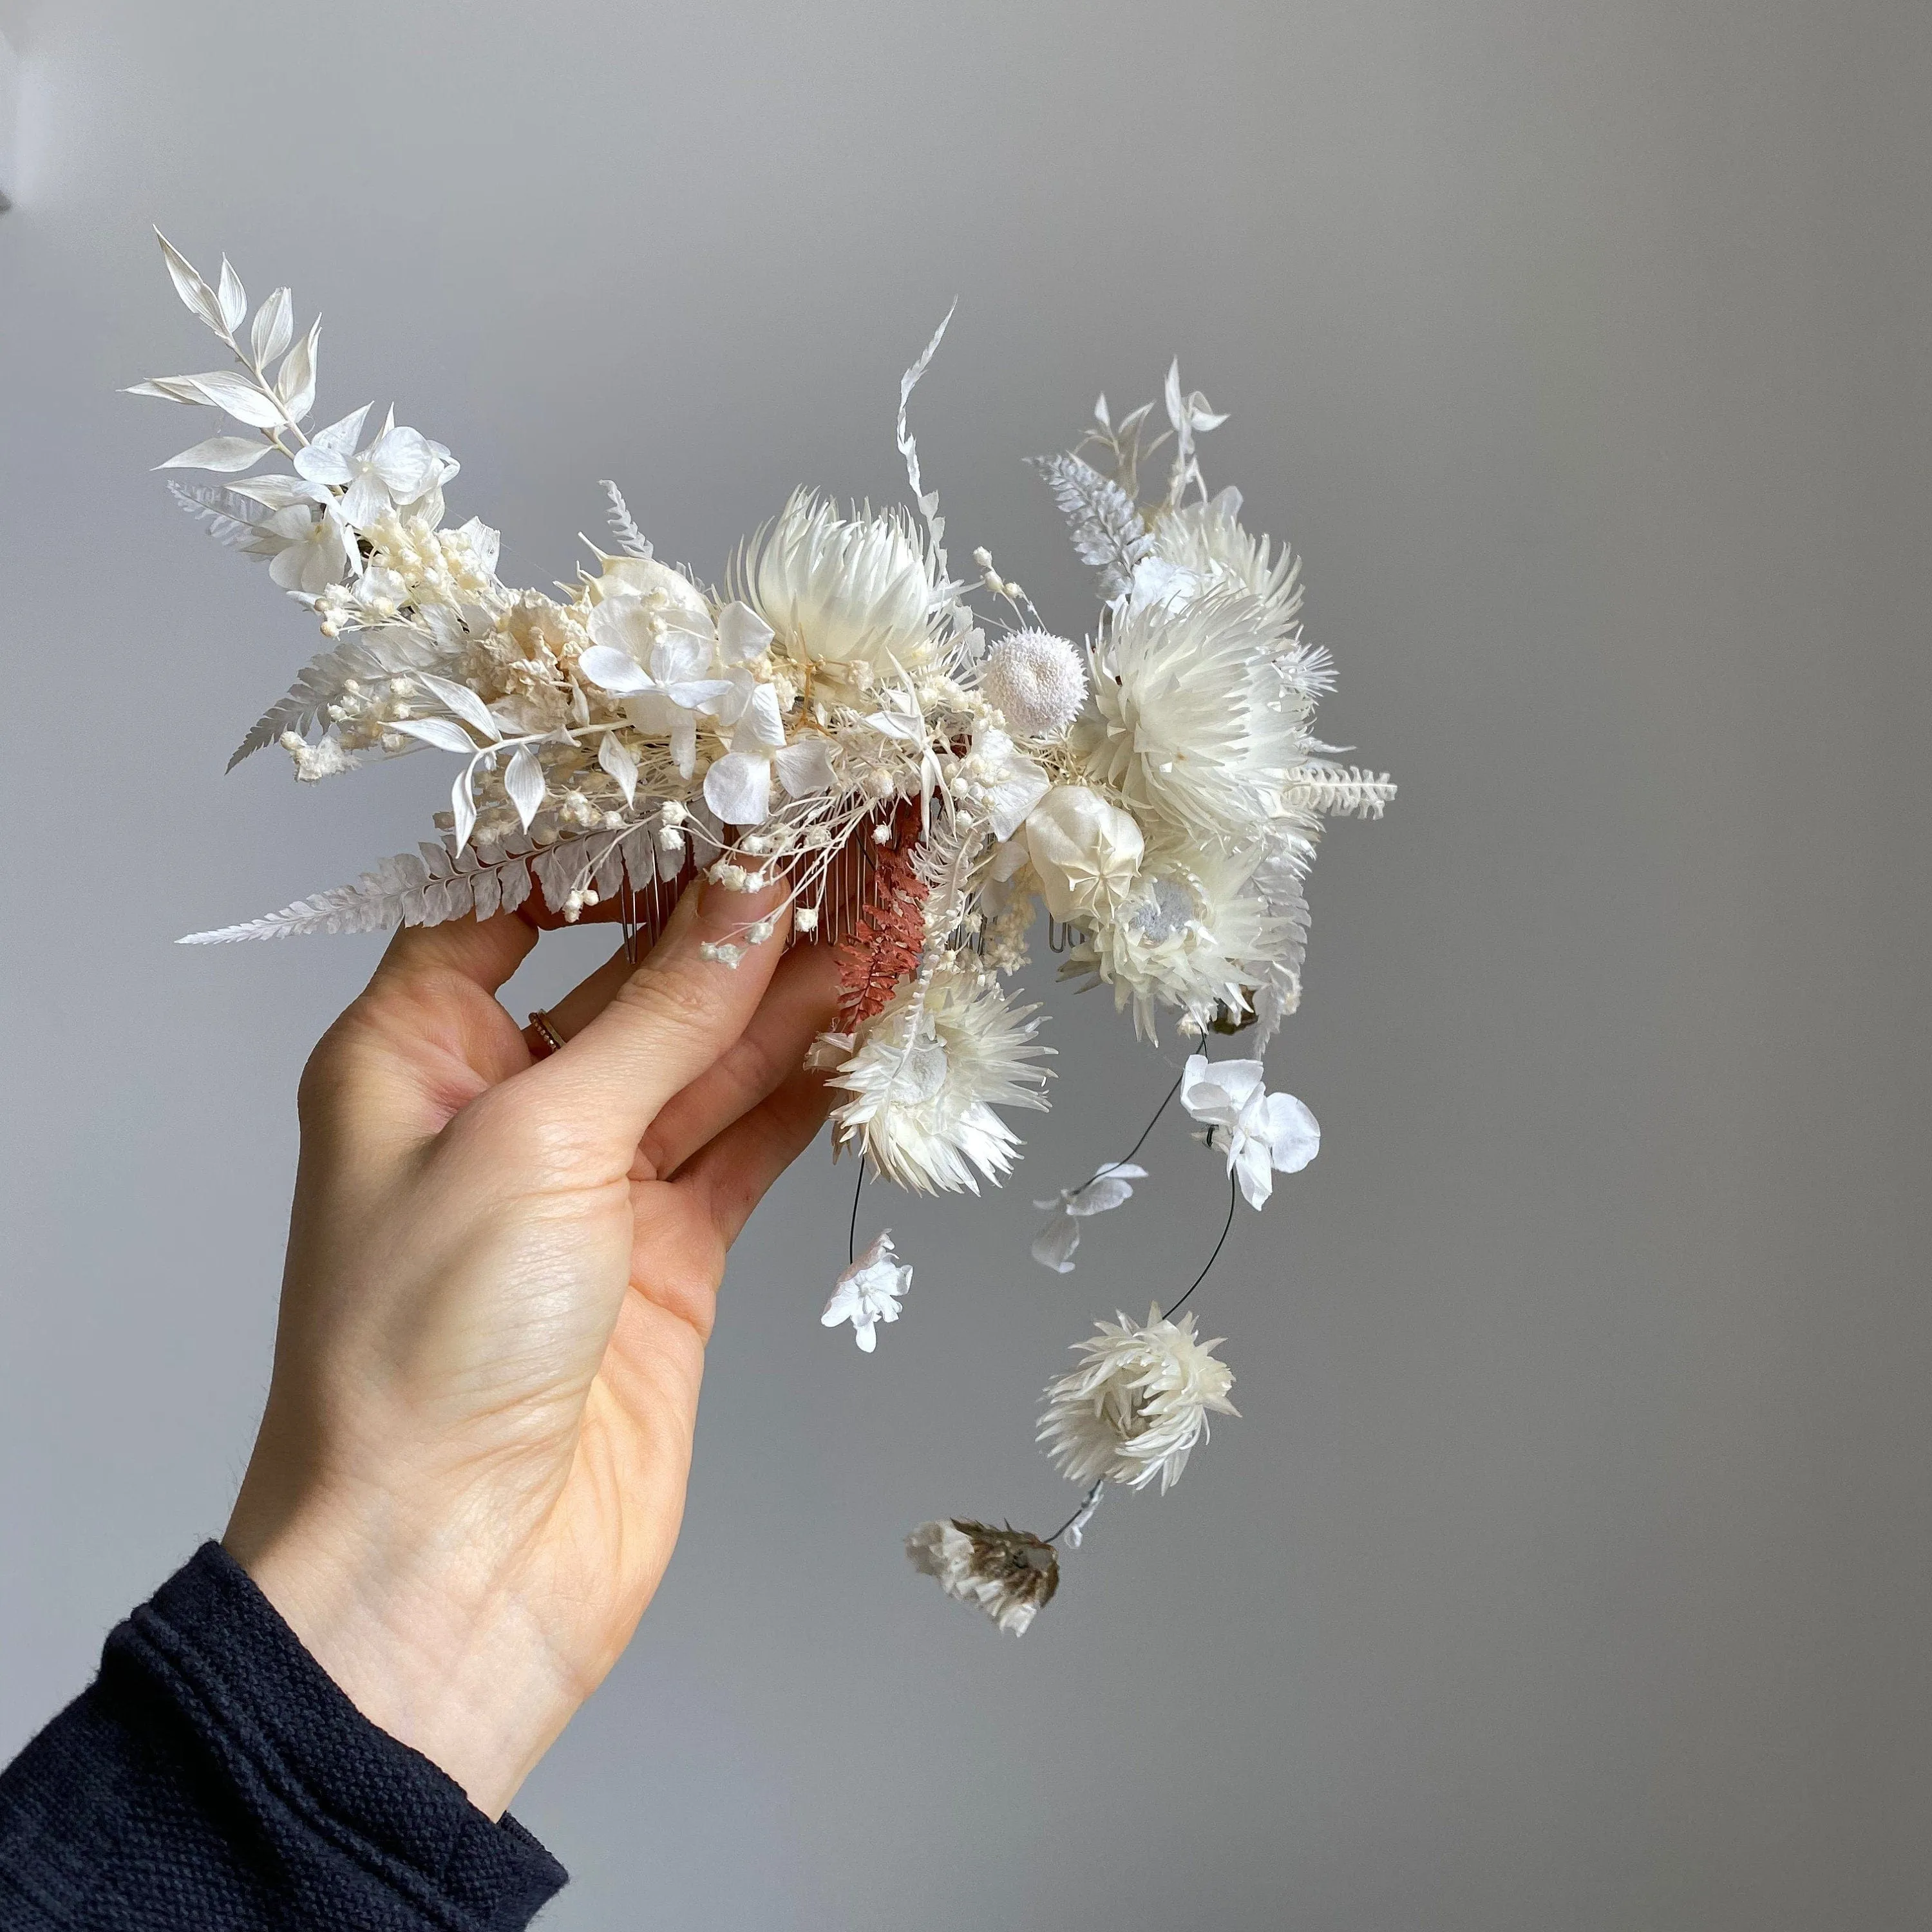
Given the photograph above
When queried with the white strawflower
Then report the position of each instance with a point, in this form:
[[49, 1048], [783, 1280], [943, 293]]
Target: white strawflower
[[1009, 1574], [1197, 934], [1036, 681], [1138, 1404], [869, 1291], [928, 1073], [852, 598], [1262, 1134], [1206, 541], [1195, 721]]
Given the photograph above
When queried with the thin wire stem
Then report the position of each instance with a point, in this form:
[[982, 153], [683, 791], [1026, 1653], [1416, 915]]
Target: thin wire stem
[[1234, 1200], [852, 1232], [1087, 1502], [1144, 1131]]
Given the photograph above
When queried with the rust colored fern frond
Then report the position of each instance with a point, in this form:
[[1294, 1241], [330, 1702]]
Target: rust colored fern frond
[[889, 934]]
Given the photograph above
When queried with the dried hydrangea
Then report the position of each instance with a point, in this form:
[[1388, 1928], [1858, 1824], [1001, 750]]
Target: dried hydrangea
[[1009, 1574], [1139, 1401], [869, 1291]]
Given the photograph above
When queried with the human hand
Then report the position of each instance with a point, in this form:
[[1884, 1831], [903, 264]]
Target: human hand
[[501, 1277]]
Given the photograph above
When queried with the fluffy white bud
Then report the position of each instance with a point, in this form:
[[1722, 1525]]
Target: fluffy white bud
[[1036, 681]]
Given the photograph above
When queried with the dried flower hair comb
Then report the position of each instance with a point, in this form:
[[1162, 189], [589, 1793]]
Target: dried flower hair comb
[[922, 781]]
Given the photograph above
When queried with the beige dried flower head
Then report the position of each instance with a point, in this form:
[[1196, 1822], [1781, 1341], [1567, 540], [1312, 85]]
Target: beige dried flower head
[[1138, 1404], [1009, 1574]]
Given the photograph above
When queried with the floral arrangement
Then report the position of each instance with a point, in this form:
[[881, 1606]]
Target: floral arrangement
[[922, 780]]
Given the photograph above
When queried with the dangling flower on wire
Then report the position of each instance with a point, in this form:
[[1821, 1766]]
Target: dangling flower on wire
[[1138, 1404], [1009, 1574], [1262, 1134], [869, 1291], [1053, 1247]]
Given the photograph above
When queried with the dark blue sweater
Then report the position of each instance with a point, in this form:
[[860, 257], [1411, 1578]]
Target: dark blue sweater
[[213, 1777]]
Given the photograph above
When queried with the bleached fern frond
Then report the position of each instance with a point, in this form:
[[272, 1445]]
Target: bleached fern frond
[[387, 651], [232, 520], [1307, 668], [1340, 791], [944, 862], [1107, 531], [630, 540], [424, 887]]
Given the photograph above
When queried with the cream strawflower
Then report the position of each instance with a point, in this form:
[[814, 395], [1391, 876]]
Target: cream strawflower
[[853, 599], [927, 1074], [1206, 541], [1192, 719], [1197, 935], [1138, 1404], [1009, 1574]]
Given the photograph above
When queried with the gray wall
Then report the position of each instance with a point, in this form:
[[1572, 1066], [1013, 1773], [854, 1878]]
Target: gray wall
[[1569, 1565]]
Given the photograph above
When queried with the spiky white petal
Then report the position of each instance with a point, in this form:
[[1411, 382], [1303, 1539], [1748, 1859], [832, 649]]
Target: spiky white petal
[[1193, 721], [855, 597]]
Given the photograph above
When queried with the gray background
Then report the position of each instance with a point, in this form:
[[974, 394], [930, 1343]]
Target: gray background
[[1569, 1567]]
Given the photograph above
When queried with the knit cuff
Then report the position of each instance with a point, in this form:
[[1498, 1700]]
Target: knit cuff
[[293, 1744]]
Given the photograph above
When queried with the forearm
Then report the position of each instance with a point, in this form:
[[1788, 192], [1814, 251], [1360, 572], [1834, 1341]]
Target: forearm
[[214, 1777]]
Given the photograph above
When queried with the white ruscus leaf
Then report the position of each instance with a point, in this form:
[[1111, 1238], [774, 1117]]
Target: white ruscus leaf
[[232, 299], [464, 703], [165, 388], [199, 299], [219, 452], [614, 755], [273, 329], [294, 382], [442, 733], [524, 783], [236, 394], [463, 804]]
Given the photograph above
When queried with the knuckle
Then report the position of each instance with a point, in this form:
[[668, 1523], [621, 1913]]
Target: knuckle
[[329, 1071], [665, 999]]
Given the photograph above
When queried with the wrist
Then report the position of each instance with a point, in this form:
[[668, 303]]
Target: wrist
[[444, 1649]]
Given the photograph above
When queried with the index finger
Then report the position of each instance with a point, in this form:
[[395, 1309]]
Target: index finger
[[684, 1004]]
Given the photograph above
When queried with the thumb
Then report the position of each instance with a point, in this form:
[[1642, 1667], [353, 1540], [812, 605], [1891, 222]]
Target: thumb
[[684, 1006]]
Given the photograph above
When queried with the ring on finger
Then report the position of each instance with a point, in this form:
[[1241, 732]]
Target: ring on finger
[[542, 1034]]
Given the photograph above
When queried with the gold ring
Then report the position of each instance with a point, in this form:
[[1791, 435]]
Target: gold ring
[[547, 1041]]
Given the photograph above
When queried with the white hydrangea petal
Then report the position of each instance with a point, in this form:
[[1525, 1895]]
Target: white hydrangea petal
[[613, 669], [1053, 1246], [804, 767], [738, 788], [1295, 1135]]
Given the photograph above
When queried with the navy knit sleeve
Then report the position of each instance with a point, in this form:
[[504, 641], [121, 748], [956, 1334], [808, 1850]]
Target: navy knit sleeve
[[213, 1777]]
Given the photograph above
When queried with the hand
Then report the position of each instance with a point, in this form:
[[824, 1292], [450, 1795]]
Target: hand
[[501, 1277]]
